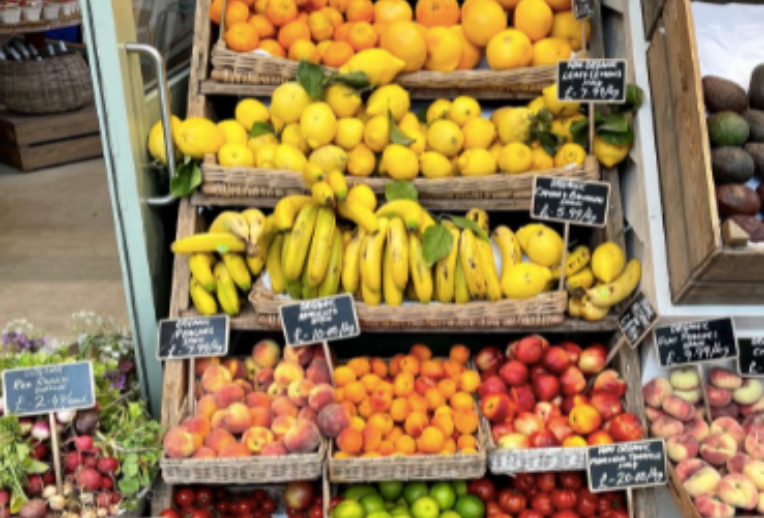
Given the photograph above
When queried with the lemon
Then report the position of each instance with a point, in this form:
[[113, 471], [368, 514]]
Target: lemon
[[349, 133], [499, 117], [293, 136], [233, 132], [515, 126], [400, 162], [541, 160], [610, 154], [312, 173], [254, 144], [495, 150], [439, 109], [197, 136], [344, 100], [515, 158], [413, 129], [570, 154], [445, 137], [558, 108], [379, 65], [537, 104], [389, 97], [361, 161], [233, 154], [277, 123], [364, 195], [561, 126], [479, 133], [476, 162], [362, 115], [288, 102], [250, 111], [435, 165], [608, 261], [265, 156], [525, 280], [463, 109], [544, 246], [318, 124], [376, 134], [290, 158], [330, 158], [156, 140]]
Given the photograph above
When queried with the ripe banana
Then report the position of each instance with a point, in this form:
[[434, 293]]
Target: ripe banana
[[231, 222], [393, 295], [287, 210], [237, 267], [331, 283], [480, 218], [226, 290], [321, 246], [274, 264], [609, 295], [582, 280], [370, 298], [299, 242], [575, 306], [308, 292], [445, 269], [359, 214], [347, 235], [469, 256], [351, 263], [221, 242], [411, 292], [256, 221], [257, 262], [371, 258], [591, 312], [312, 173], [577, 260], [425, 222], [204, 303], [338, 183], [397, 244], [294, 289], [408, 210], [509, 247], [201, 270], [323, 194], [493, 286], [461, 292], [421, 274]]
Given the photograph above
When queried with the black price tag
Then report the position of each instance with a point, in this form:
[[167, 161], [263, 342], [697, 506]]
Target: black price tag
[[570, 201], [193, 337], [626, 465], [582, 9], [49, 388], [592, 80], [750, 363], [696, 342], [637, 320], [320, 320]]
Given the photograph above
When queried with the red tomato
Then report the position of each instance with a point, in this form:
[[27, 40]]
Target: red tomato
[[185, 497], [295, 513], [529, 513], [492, 509], [525, 482], [186, 512], [259, 514], [565, 514], [201, 513], [259, 494], [564, 499], [242, 506], [268, 505], [511, 501], [546, 481], [571, 480], [483, 489], [610, 501], [169, 513], [317, 511], [204, 497], [220, 493], [542, 503]]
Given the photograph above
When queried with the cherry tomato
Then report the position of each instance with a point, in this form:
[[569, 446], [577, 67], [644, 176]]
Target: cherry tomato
[[204, 497], [571, 480], [546, 481], [268, 505], [609, 502], [185, 497], [259, 514], [565, 514], [525, 481], [220, 493], [564, 499], [587, 503], [512, 501], [492, 509], [242, 507], [295, 513], [201, 513], [542, 503], [483, 489], [169, 513], [530, 513]]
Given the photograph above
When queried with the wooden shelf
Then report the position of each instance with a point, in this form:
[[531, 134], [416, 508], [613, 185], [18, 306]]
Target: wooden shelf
[[41, 26]]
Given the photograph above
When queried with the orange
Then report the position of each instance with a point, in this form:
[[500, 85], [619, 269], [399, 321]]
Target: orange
[[466, 422], [459, 353], [400, 409], [379, 28], [421, 352], [449, 448], [372, 438], [435, 398], [466, 441], [216, 11], [339, 392], [433, 13], [403, 40], [415, 424], [262, 25], [410, 364], [406, 445], [340, 5], [322, 48], [484, 20], [389, 11], [551, 50], [360, 366], [355, 392], [462, 401], [242, 37], [350, 441], [334, 15], [261, 6], [431, 440], [567, 27], [447, 387], [362, 36], [360, 11], [320, 25], [281, 12], [337, 54], [560, 5], [534, 18], [393, 434], [302, 16], [469, 381], [395, 364], [404, 384], [341, 32], [444, 50], [382, 421], [344, 375], [444, 423], [237, 11], [509, 49], [379, 367]]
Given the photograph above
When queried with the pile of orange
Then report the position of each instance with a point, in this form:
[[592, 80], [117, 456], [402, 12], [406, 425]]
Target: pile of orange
[[438, 35], [415, 404]]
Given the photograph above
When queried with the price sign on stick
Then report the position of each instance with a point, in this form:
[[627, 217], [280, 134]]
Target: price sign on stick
[[319, 320], [582, 9], [696, 342], [750, 363], [626, 465], [49, 388], [570, 201], [194, 337], [592, 80], [637, 320]]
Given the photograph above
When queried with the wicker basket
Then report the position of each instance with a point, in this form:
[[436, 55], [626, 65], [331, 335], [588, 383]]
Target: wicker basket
[[52, 85]]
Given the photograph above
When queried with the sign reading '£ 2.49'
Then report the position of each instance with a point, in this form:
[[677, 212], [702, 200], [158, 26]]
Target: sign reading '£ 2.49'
[[49, 388], [592, 80]]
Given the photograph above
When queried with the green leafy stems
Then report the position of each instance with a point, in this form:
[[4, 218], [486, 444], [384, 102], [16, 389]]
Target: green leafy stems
[[188, 176], [315, 80]]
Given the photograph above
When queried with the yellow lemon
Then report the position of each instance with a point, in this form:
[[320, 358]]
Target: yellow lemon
[[608, 261], [344, 100], [265, 156], [233, 154], [476, 162], [525, 280], [564, 25], [569, 154], [277, 123], [435, 165], [558, 108], [400, 162], [516, 126], [610, 154], [197, 136], [254, 144], [349, 133], [439, 109], [288, 102], [479, 133], [376, 134], [551, 50], [499, 116], [413, 129], [250, 111], [156, 140], [389, 97], [515, 158], [545, 247], [495, 150], [289, 158], [537, 104], [292, 135], [379, 65], [361, 161], [445, 137], [234, 132], [541, 160], [318, 124], [363, 194], [463, 109], [330, 158], [444, 49]]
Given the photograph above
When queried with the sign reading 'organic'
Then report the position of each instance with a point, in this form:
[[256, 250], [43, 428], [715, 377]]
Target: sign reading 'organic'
[[49, 388]]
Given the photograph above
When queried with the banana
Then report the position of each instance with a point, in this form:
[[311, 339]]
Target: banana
[[370, 298], [273, 264], [493, 286], [201, 270], [239, 271], [221, 242], [409, 210], [421, 274], [523, 234], [323, 194], [397, 244], [294, 289], [351, 263], [575, 306], [581, 280], [445, 269], [480, 218], [347, 235], [591, 312], [393, 295], [257, 262], [338, 183], [312, 173], [226, 290], [425, 222], [359, 214], [509, 247], [331, 283], [577, 260], [231, 222], [321, 246], [287, 210], [308, 292], [299, 242], [469, 256], [609, 295], [411, 292], [204, 303], [461, 292], [256, 222], [371, 258]]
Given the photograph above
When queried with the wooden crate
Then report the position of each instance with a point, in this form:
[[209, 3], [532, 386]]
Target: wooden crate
[[703, 269], [30, 142]]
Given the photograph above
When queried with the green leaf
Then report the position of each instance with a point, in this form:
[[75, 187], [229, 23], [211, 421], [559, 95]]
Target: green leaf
[[618, 139], [17, 502], [261, 128], [550, 142], [544, 116], [396, 135], [436, 243], [635, 96], [130, 469], [421, 114], [580, 131], [129, 486], [400, 190], [187, 178], [467, 224], [615, 123], [34, 467], [358, 80], [311, 78]]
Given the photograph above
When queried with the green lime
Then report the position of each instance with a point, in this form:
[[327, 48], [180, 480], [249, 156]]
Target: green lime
[[391, 490], [469, 506], [372, 503], [414, 490], [379, 514], [389, 505], [349, 509], [449, 514], [425, 507], [399, 510], [444, 495], [460, 487], [355, 492]]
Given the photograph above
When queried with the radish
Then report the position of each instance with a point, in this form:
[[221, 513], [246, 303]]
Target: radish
[[41, 431], [103, 500], [66, 416], [89, 480], [49, 491], [33, 486], [88, 513], [113, 510], [107, 483], [40, 452], [102, 513], [33, 509], [68, 488], [57, 502], [86, 422], [90, 462], [116, 497], [48, 478], [71, 461], [83, 442], [108, 466], [5, 497]]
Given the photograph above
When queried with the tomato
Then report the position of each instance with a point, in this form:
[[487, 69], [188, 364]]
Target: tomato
[[186, 512], [525, 481], [268, 505], [531, 493], [201, 513], [295, 513], [483, 489], [242, 507], [511, 501], [259, 494], [564, 499], [185, 497], [571, 480], [317, 511], [587, 503], [542, 503], [169, 513], [546, 481], [610, 501], [528, 513], [565, 514], [492, 509], [258, 514]]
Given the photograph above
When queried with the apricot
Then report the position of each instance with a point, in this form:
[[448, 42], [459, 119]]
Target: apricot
[[410, 364], [350, 441], [447, 387], [339, 395], [449, 448], [444, 410], [466, 422], [282, 405], [206, 406], [320, 396], [179, 443], [418, 403], [361, 366], [288, 371], [462, 401], [432, 369], [358, 422], [393, 434], [237, 418], [198, 425], [273, 449], [266, 353], [372, 437], [261, 416], [299, 392], [422, 385], [343, 375], [395, 365], [214, 377], [434, 398], [459, 353], [379, 367], [343, 455], [431, 440], [370, 381], [318, 372], [421, 352], [452, 368], [332, 419], [350, 408], [444, 423], [415, 423], [469, 381], [380, 399], [405, 445], [281, 425], [307, 414], [219, 439], [466, 441], [228, 394], [386, 448], [258, 399], [468, 451], [382, 421], [257, 438], [400, 409], [355, 392], [303, 437], [204, 453], [365, 409], [404, 384]]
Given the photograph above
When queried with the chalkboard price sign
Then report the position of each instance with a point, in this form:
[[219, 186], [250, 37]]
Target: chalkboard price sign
[[570, 201], [49, 388], [193, 337], [592, 80], [696, 342], [750, 363], [582, 9], [637, 319], [626, 465], [320, 320]]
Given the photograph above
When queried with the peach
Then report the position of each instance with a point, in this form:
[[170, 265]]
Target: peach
[[736, 463], [237, 418], [214, 377], [206, 406], [754, 470], [656, 392], [497, 407], [257, 399], [217, 419], [245, 385], [703, 481], [522, 398], [709, 506], [273, 449], [738, 491], [754, 442], [275, 390], [492, 385], [282, 405], [717, 448], [299, 392], [692, 396], [252, 368], [266, 353], [301, 355], [179, 443], [731, 410], [281, 425], [572, 381], [584, 419], [261, 416], [730, 426], [697, 428], [198, 425], [263, 378], [546, 411], [500, 430], [560, 428], [228, 394], [678, 408], [748, 393], [303, 437], [288, 371], [723, 378], [592, 360], [237, 368], [514, 373], [204, 453], [681, 447], [307, 414], [546, 387], [686, 468], [528, 350], [320, 396], [610, 381], [717, 396], [607, 404], [666, 427], [332, 419], [318, 372], [752, 420], [652, 413], [256, 438], [201, 364], [218, 439], [555, 360], [684, 378], [234, 450], [700, 412], [528, 423], [514, 441], [755, 408], [625, 428]]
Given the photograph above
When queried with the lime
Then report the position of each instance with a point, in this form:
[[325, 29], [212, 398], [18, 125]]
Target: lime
[[425, 507], [356, 491], [469, 506], [399, 510], [379, 514], [444, 495], [460, 487], [391, 490], [372, 503], [349, 509], [389, 505], [449, 514], [414, 490]]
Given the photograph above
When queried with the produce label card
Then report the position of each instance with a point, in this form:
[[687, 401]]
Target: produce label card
[[320, 320], [696, 342], [592, 80], [193, 337], [626, 465], [49, 388], [582, 9], [570, 201], [750, 363], [637, 320]]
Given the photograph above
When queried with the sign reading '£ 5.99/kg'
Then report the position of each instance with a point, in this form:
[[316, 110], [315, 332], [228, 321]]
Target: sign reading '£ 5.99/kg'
[[570, 201], [326, 319]]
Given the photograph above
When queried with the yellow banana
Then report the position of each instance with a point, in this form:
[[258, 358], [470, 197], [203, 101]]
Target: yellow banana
[[359, 214], [493, 286], [576, 260], [421, 274], [509, 248], [445, 269], [201, 270], [411, 292], [312, 173], [351, 263], [393, 295], [425, 222], [338, 183], [221, 242], [257, 262], [287, 209], [398, 247], [308, 292], [589, 311], [237, 267], [231, 222], [575, 306], [523, 234], [204, 303], [321, 246], [323, 194], [408, 210], [480, 218], [226, 290], [371, 258], [274, 263], [581, 280], [347, 235], [609, 295], [461, 292], [370, 298], [256, 221], [331, 283], [294, 289], [299, 242], [469, 256]]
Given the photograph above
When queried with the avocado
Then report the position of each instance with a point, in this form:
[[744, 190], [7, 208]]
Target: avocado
[[737, 198], [731, 165], [727, 129], [722, 95], [756, 150], [755, 120], [756, 88]]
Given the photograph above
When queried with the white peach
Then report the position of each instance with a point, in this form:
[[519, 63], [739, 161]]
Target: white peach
[[737, 490], [703, 481], [748, 392], [684, 378], [717, 448], [730, 426], [681, 447]]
